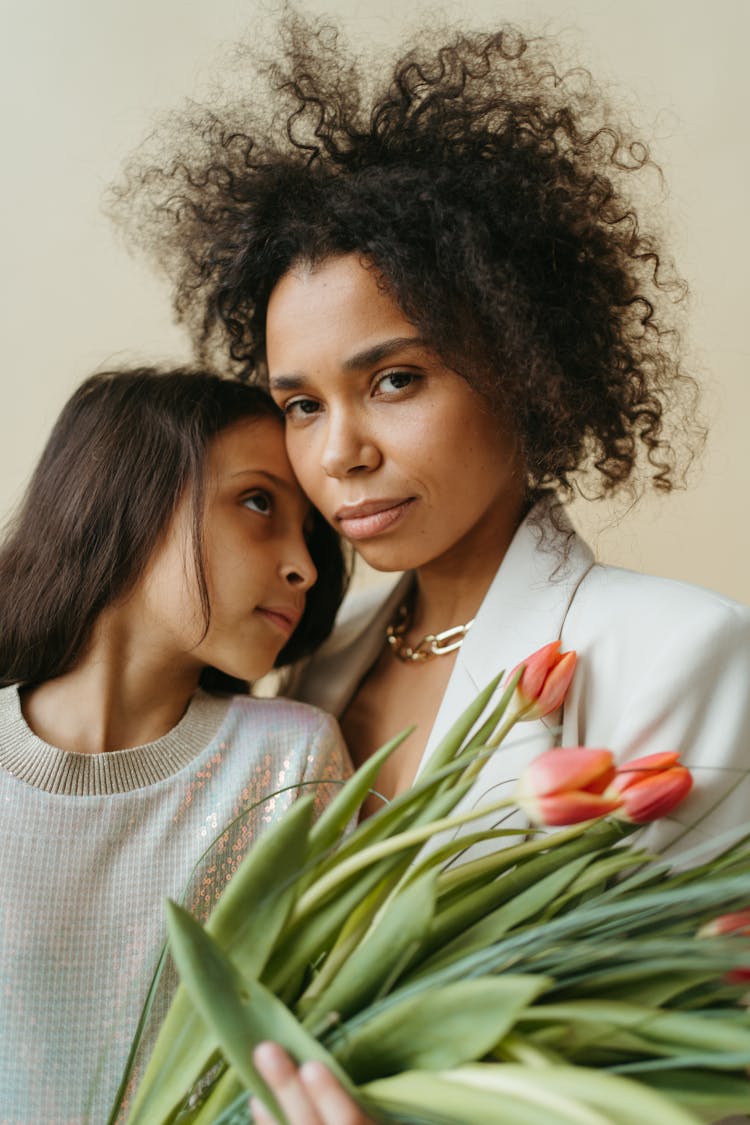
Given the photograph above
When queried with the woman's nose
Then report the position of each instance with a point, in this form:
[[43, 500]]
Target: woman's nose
[[349, 448]]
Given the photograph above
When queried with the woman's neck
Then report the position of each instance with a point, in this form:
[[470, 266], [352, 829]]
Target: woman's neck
[[120, 694], [450, 589]]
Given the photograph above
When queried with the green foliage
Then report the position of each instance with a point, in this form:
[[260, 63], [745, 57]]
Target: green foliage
[[558, 980]]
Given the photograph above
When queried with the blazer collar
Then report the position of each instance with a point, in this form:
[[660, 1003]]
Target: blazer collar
[[524, 608]]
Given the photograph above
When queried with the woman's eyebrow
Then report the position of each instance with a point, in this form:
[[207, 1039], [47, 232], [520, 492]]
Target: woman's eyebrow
[[378, 352], [368, 357]]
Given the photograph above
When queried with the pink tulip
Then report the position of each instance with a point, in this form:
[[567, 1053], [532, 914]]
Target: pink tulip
[[651, 786], [567, 785], [544, 681], [737, 923]]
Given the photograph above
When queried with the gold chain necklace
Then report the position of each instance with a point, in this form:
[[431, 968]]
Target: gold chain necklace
[[432, 644]]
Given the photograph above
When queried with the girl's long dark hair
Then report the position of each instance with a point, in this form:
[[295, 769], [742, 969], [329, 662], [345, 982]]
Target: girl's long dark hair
[[119, 458]]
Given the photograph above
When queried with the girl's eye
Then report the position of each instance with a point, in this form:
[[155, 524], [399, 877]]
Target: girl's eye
[[396, 381], [297, 409], [259, 502]]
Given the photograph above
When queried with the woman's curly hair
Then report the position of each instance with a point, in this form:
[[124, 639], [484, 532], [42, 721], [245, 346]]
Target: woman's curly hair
[[492, 194]]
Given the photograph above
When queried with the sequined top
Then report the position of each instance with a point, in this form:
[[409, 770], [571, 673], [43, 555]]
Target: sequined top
[[90, 846]]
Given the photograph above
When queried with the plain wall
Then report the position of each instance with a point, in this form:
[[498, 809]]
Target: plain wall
[[83, 81]]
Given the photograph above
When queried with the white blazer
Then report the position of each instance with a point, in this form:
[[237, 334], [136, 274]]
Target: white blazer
[[662, 665]]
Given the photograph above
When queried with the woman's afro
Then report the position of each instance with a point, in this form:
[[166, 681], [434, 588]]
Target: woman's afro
[[493, 195]]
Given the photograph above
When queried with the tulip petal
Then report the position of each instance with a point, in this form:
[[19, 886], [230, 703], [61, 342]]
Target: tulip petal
[[568, 767], [655, 795], [634, 771], [570, 807], [556, 685], [537, 668], [738, 922]]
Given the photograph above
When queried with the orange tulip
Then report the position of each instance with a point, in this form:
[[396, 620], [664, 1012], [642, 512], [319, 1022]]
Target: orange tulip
[[651, 786], [544, 681], [567, 785]]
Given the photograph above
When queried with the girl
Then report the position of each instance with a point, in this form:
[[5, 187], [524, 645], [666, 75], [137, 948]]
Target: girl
[[163, 556]]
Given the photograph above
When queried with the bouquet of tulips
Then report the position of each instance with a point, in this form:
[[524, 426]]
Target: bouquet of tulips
[[566, 977]]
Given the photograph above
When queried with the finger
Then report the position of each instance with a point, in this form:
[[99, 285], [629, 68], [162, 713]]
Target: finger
[[261, 1116], [333, 1104], [283, 1077]]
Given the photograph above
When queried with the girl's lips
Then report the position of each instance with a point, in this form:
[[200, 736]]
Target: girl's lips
[[363, 521], [284, 619]]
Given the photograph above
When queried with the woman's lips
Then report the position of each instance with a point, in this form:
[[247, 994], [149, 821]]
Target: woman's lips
[[371, 517]]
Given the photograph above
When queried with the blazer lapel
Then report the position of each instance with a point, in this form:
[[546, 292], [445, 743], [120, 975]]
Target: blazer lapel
[[524, 608]]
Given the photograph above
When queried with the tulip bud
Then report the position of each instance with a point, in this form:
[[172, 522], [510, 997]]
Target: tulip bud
[[651, 786], [567, 785], [544, 681], [737, 923]]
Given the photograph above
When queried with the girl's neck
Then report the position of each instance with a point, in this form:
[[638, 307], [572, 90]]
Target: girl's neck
[[119, 695]]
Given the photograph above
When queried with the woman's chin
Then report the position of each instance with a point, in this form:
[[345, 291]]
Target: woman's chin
[[389, 558]]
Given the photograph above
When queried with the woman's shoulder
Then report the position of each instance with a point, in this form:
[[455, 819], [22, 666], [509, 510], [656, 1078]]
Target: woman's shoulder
[[614, 594], [634, 626]]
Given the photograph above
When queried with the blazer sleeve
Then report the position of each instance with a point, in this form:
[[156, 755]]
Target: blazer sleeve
[[666, 666]]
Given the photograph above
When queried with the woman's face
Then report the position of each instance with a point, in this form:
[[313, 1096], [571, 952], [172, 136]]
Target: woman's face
[[257, 565], [399, 453]]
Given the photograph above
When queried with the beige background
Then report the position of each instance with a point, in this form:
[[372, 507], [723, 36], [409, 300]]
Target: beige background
[[83, 81]]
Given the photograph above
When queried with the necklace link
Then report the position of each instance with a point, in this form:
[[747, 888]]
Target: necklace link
[[432, 644]]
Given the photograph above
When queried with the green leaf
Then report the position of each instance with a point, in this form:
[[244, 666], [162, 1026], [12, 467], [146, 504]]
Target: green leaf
[[519, 909], [266, 879], [594, 879], [652, 991], [668, 1031], [241, 1012], [398, 928], [334, 819], [451, 743], [533, 861], [221, 1096], [440, 1028], [442, 1100], [712, 1095], [477, 873], [622, 1102], [220, 996], [257, 900]]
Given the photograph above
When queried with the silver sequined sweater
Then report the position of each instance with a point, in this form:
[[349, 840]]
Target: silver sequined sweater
[[90, 846]]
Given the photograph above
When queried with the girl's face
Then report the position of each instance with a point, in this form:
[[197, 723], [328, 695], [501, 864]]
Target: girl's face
[[257, 565], [400, 454]]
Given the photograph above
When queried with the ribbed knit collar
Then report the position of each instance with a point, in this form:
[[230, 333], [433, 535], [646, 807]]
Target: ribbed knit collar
[[46, 767]]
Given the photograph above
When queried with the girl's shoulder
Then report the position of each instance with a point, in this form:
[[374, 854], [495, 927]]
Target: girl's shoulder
[[278, 714]]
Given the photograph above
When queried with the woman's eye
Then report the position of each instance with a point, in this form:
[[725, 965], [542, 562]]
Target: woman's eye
[[298, 409], [259, 502], [396, 381]]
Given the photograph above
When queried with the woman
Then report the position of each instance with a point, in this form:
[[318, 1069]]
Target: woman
[[448, 290]]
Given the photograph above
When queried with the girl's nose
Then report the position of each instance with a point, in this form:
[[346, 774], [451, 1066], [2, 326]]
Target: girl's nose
[[299, 570]]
